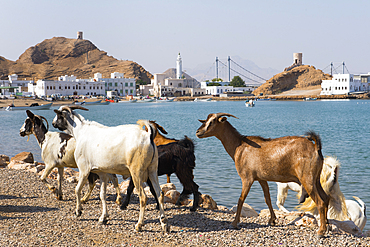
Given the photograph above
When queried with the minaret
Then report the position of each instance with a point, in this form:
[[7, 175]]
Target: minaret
[[179, 67]]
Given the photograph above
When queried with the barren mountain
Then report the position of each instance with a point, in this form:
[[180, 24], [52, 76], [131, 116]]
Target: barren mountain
[[304, 76], [61, 56]]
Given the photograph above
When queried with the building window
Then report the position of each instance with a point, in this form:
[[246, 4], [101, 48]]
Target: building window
[[110, 84], [69, 87], [126, 84], [131, 85], [115, 84], [60, 87], [84, 87]]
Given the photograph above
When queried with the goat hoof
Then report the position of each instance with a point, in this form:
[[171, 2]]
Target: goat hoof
[[78, 213], [103, 222], [320, 236], [166, 228], [193, 209], [138, 227], [272, 223], [123, 207], [235, 226]]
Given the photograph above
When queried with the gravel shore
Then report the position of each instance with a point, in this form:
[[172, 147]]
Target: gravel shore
[[31, 216]]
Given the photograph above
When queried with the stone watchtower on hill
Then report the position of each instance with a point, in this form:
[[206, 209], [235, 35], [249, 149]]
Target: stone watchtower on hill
[[79, 35], [297, 61]]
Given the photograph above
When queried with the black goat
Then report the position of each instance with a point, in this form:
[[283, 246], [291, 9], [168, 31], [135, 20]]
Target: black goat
[[176, 157]]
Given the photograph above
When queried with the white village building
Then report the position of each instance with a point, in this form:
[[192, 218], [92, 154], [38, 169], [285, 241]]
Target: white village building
[[13, 86], [346, 84], [70, 85], [218, 90]]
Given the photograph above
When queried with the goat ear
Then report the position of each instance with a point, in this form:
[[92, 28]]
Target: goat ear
[[222, 119], [202, 121], [161, 129], [30, 114]]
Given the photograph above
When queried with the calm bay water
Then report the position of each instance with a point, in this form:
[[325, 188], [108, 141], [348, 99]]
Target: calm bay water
[[342, 125]]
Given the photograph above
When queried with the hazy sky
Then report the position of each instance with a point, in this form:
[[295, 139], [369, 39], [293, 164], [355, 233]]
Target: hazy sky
[[152, 33]]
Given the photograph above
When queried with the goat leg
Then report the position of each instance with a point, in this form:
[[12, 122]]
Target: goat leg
[[130, 188], [153, 192], [304, 195]]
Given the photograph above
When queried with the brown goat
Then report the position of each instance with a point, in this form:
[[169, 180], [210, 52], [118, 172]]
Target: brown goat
[[284, 159]]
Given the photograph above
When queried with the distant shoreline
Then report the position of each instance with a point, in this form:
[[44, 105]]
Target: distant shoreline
[[27, 101]]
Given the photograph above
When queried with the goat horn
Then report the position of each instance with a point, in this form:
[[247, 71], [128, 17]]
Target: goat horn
[[221, 114], [67, 108], [74, 107], [46, 122]]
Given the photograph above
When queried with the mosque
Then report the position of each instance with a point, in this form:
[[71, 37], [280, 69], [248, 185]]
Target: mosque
[[173, 82]]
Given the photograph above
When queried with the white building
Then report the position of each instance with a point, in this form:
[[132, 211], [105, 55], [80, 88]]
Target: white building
[[13, 86], [217, 90], [345, 84], [70, 85]]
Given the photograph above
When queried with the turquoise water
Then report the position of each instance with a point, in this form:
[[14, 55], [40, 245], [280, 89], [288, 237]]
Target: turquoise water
[[342, 125]]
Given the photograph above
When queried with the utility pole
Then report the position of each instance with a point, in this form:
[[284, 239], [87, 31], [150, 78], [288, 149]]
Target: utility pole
[[228, 60], [217, 68], [343, 67], [331, 68]]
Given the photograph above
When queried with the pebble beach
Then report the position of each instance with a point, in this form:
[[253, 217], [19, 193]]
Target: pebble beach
[[31, 216]]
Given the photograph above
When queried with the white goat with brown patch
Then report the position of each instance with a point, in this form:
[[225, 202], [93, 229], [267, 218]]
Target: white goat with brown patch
[[128, 150], [57, 151], [339, 208], [285, 159]]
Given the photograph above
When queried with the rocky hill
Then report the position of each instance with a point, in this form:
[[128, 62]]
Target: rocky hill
[[304, 76], [61, 56]]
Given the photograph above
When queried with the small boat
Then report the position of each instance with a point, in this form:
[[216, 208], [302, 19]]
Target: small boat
[[128, 101], [104, 103], [202, 100], [309, 98], [98, 102], [34, 106], [145, 100], [109, 100], [249, 103], [164, 100]]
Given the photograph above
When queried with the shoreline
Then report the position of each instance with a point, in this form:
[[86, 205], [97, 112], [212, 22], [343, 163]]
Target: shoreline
[[286, 97], [30, 215]]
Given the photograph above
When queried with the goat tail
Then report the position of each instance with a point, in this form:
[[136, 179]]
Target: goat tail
[[149, 128], [363, 206], [312, 136], [186, 142]]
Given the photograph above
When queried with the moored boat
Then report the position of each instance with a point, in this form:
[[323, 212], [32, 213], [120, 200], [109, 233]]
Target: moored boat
[[34, 106], [249, 103]]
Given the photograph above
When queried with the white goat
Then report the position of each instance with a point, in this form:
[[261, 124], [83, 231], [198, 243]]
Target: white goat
[[339, 208], [128, 150], [57, 151]]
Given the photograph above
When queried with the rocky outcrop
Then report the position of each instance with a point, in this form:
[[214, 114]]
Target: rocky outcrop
[[62, 56], [25, 157], [299, 77]]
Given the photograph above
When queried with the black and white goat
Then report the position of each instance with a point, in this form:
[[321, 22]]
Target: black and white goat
[[128, 150], [176, 157], [57, 151]]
